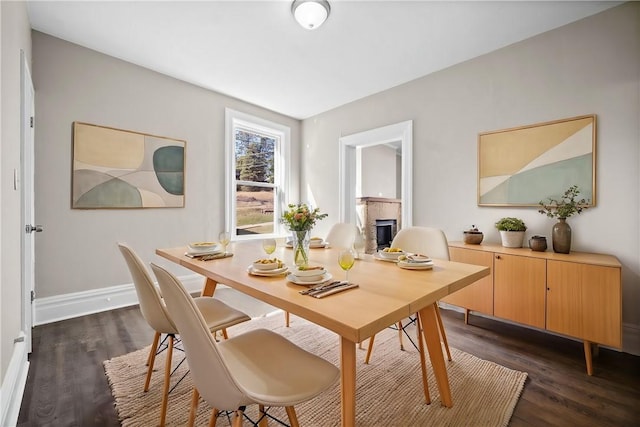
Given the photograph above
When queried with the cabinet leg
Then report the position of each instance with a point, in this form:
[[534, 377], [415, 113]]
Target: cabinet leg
[[587, 356]]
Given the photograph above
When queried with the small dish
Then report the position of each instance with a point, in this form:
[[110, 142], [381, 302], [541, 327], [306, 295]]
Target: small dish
[[377, 256], [390, 255], [266, 264], [293, 279], [267, 273], [414, 258], [309, 271], [415, 265], [202, 246]]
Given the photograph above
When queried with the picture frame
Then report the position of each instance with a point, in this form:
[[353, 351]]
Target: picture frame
[[121, 169], [525, 165]]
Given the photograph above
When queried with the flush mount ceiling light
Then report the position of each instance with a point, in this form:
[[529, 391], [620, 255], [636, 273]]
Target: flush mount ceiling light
[[310, 13]]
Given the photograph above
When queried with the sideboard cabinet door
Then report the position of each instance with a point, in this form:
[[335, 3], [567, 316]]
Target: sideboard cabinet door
[[479, 296], [519, 289], [584, 301]]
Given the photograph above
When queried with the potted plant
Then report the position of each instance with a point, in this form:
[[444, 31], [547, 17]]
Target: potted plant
[[562, 208], [511, 231]]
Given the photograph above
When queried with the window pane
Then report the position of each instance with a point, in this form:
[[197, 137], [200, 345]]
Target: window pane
[[254, 156], [254, 210]]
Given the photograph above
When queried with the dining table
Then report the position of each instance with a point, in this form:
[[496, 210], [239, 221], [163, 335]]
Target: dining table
[[385, 295]]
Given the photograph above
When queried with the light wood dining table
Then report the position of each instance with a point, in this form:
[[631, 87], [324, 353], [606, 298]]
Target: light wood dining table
[[386, 295]]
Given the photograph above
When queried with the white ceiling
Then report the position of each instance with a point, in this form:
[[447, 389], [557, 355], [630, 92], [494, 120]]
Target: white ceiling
[[255, 51]]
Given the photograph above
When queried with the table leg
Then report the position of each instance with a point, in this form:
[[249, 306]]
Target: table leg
[[209, 288], [432, 338], [348, 382]]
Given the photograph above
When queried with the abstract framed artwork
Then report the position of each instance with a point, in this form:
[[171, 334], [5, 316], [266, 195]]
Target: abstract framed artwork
[[119, 169], [524, 165]]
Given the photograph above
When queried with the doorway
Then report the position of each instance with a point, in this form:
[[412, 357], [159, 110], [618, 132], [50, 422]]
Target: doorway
[[348, 147]]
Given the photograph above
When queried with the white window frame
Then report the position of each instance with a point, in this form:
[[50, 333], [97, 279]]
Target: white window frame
[[282, 162]]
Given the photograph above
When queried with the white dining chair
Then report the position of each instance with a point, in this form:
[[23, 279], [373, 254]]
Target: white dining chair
[[428, 241], [256, 367], [218, 316]]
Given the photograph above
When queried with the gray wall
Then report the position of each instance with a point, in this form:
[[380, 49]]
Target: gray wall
[[379, 172], [15, 33], [77, 252], [588, 67]]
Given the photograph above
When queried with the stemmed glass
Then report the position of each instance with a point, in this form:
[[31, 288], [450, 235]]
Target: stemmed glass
[[269, 246], [346, 259], [224, 238]]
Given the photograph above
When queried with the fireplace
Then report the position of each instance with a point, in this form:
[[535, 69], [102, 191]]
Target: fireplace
[[386, 230]]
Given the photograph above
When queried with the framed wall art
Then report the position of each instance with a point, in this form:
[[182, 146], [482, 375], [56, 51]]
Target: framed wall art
[[522, 166], [119, 169]]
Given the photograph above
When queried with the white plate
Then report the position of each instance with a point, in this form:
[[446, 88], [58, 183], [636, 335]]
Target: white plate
[[390, 255], [379, 258], [267, 273], [416, 265], [314, 272], [293, 279], [199, 247]]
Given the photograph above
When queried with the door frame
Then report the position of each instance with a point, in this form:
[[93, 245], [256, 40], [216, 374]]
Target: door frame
[[348, 146]]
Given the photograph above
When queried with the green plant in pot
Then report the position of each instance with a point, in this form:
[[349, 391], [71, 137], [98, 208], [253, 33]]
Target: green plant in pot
[[562, 208], [511, 231]]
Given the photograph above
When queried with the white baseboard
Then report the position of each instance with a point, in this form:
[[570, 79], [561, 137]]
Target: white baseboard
[[13, 384], [67, 306], [630, 332]]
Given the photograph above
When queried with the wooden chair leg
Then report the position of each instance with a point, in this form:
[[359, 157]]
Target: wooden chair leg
[[286, 319], [237, 418], [264, 421], [369, 348], [167, 380], [214, 418], [195, 400], [293, 419], [151, 360], [224, 334], [423, 363], [400, 335], [443, 334]]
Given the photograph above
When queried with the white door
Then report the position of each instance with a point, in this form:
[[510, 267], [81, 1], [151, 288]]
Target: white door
[[28, 227]]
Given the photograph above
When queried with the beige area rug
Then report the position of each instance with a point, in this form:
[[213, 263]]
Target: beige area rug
[[389, 389]]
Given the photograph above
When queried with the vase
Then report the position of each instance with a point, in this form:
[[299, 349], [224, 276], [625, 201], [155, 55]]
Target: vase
[[512, 239], [301, 240], [561, 237]]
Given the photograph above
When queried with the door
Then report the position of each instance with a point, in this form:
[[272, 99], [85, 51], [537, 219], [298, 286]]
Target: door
[[28, 227]]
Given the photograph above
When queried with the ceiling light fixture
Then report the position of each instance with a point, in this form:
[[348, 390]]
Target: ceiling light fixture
[[310, 13]]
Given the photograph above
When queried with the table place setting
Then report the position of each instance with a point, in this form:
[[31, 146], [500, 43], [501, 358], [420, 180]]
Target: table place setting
[[309, 275], [267, 267], [206, 251], [327, 289], [389, 254], [415, 262]]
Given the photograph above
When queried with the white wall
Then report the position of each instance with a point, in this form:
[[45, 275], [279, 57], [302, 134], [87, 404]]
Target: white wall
[[15, 36], [77, 251], [378, 172], [588, 67]]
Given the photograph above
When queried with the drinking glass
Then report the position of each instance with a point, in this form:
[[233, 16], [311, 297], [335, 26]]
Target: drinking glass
[[346, 259], [269, 246], [224, 238], [359, 245]]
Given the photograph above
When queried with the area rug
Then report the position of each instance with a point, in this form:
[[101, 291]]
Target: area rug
[[389, 389]]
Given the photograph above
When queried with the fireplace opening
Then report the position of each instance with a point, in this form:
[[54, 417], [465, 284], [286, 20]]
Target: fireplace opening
[[386, 230]]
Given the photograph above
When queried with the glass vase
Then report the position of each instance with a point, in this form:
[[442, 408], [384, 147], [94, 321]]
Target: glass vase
[[301, 240]]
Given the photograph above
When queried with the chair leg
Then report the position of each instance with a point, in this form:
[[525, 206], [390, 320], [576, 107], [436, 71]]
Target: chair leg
[[293, 419], [195, 400], [369, 348], [423, 363], [262, 416], [443, 334], [224, 334], [214, 418], [286, 319], [151, 360], [237, 417], [400, 335], [167, 380]]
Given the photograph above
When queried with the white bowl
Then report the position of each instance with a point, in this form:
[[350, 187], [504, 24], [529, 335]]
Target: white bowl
[[266, 264], [314, 278], [309, 273], [390, 255], [202, 246]]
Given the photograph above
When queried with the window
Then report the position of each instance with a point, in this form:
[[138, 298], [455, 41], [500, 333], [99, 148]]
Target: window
[[256, 180]]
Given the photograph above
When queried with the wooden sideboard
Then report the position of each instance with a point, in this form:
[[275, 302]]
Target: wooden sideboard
[[578, 294]]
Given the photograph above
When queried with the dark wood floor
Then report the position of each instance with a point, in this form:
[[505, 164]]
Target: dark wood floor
[[67, 386]]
